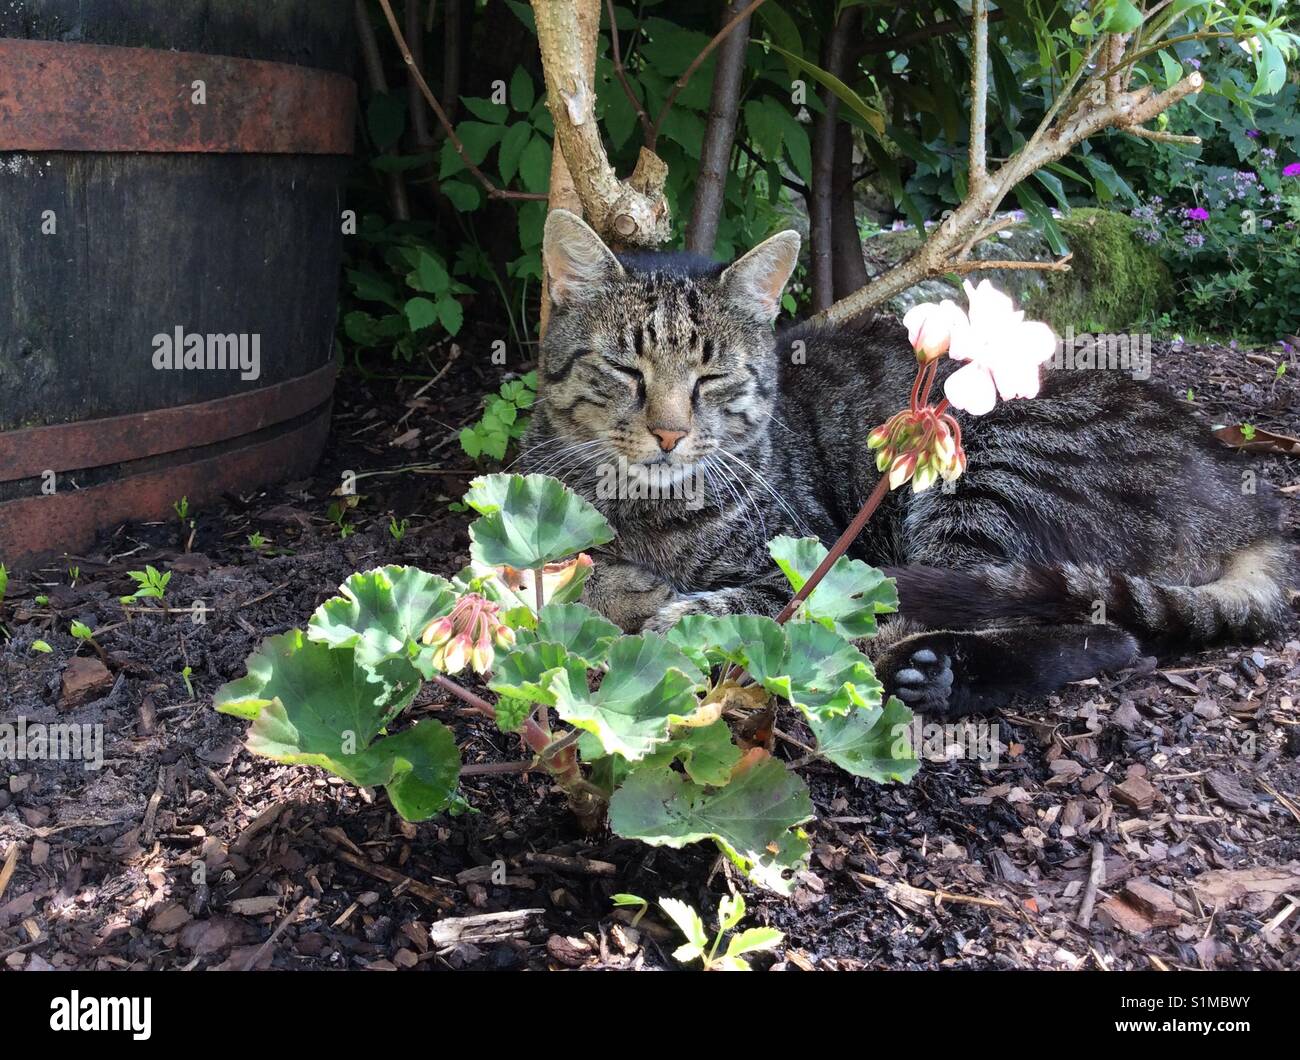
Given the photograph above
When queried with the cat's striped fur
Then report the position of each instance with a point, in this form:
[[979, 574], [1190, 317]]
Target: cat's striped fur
[[1094, 515]]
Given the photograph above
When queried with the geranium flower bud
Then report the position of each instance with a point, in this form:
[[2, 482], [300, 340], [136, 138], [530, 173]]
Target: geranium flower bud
[[467, 635]]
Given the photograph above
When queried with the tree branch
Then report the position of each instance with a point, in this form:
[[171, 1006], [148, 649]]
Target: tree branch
[[720, 131], [378, 82], [1052, 141], [489, 186], [633, 211], [963, 267], [696, 63], [979, 94], [620, 71]]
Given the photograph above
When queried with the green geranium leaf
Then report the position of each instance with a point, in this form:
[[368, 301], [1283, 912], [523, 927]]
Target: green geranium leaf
[[754, 819], [870, 742], [528, 521], [528, 674], [822, 674], [707, 753], [649, 686], [710, 640], [381, 612], [511, 713], [848, 599], [311, 704], [584, 634]]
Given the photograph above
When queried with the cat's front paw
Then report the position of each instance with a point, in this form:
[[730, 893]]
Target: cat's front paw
[[670, 614]]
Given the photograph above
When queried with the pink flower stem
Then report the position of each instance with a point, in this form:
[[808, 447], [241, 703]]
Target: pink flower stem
[[563, 766], [838, 549]]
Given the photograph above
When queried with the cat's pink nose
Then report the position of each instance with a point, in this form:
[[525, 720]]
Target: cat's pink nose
[[668, 439]]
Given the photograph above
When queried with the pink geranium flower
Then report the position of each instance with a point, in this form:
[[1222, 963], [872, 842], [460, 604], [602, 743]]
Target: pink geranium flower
[[1197, 213], [1003, 351], [1293, 170]]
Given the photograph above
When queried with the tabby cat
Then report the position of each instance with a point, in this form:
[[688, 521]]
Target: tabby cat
[[1091, 518]]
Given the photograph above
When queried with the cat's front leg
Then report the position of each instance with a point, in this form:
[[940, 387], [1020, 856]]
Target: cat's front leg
[[759, 598], [626, 593]]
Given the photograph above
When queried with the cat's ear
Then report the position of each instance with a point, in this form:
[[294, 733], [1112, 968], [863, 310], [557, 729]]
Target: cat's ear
[[576, 260], [754, 284]]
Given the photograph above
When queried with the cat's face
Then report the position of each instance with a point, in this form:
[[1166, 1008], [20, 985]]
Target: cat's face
[[662, 366]]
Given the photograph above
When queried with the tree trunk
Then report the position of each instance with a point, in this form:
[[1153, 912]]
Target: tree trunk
[[846, 245], [715, 158], [821, 214]]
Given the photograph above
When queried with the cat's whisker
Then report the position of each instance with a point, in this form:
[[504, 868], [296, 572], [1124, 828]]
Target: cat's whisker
[[758, 478]]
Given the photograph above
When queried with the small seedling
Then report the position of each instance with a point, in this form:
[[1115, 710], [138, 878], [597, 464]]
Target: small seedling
[[642, 906], [185, 676], [1248, 431], [153, 585], [82, 632], [4, 582], [73, 574], [42, 647], [697, 948], [398, 530], [182, 509], [41, 601], [256, 541]]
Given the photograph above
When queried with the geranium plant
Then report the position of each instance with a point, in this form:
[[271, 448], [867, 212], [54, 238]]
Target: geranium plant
[[636, 730]]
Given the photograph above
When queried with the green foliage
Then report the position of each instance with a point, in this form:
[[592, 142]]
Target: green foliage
[[529, 521], [731, 910], [504, 419], [81, 631], [4, 582], [646, 711], [152, 584]]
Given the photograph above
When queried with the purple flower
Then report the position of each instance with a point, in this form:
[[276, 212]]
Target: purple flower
[[1197, 213], [1194, 239], [1253, 133], [1293, 170], [1267, 154], [1195, 64]]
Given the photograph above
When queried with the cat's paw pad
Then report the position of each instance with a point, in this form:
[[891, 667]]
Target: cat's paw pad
[[924, 681]]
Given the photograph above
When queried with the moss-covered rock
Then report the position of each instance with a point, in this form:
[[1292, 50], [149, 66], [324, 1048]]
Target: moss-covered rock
[[1114, 281]]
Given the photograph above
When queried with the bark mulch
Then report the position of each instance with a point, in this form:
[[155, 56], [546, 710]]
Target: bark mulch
[[1147, 819]]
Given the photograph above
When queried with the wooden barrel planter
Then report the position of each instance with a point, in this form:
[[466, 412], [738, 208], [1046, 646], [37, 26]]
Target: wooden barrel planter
[[170, 235]]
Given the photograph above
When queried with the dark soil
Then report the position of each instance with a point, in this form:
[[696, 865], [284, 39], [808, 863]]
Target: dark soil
[[1181, 781]]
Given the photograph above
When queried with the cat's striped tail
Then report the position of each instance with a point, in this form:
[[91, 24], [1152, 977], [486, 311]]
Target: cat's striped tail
[[1248, 600]]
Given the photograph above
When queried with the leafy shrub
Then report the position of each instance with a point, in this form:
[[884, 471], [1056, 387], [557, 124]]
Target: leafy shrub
[[649, 742]]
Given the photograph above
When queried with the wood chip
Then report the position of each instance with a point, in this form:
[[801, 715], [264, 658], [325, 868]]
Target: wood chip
[[1156, 903], [1137, 793], [484, 927]]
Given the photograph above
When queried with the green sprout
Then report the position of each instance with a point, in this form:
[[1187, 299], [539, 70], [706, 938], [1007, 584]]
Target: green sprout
[[697, 947], [182, 509], [398, 530], [185, 676], [42, 647], [81, 631], [4, 582], [152, 584], [73, 574], [256, 541]]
